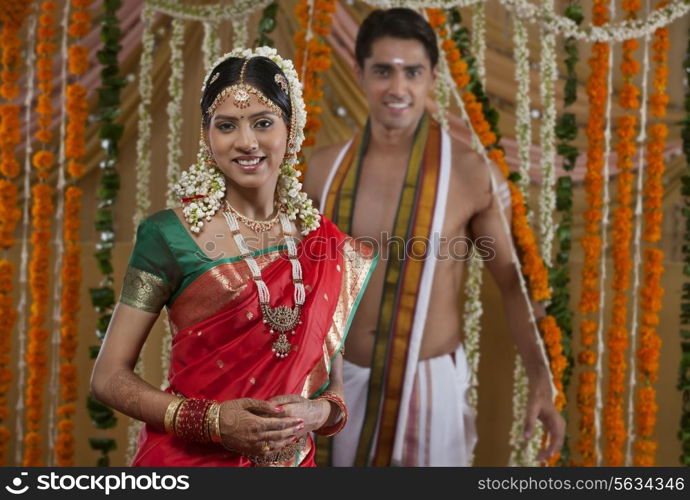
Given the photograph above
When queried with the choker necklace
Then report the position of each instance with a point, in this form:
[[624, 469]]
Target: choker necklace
[[281, 319], [258, 226]]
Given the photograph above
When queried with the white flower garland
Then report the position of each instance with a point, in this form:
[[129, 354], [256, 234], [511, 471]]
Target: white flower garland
[[59, 244], [547, 198], [523, 119], [472, 314], [444, 82], [612, 32], [637, 244], [514, 258], [175, 108], [143, 169], [211, 44], [240, 35], [417, 4], [561, 25], [24, 263], [237, 9], [478, 41], [604, 242], [523, 452]]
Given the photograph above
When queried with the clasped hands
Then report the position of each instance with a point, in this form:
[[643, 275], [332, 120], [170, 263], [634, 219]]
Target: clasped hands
[[253, 427]]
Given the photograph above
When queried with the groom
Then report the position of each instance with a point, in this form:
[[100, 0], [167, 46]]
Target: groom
[[403, 179]]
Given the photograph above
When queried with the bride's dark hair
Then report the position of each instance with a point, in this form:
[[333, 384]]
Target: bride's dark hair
[[259, 73]]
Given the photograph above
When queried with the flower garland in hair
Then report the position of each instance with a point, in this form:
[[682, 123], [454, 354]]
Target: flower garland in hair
[[42, 211], [684, 368], [10, 137], [313, 56], [559, 275], [651, 293], [614, 414], [103, 296], [75, 149], [591, 241]]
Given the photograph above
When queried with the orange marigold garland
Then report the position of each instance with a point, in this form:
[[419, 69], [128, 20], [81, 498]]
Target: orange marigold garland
[[597, 92], [42, 211], [75, 149], [533, 264], [651, 293], [10, 137], [614, 408], [312, 57]]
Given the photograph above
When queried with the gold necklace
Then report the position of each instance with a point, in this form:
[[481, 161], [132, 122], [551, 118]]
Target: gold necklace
[[258, 226], [280, 319]]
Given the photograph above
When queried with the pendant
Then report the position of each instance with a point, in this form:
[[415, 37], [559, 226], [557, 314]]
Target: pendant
[[281, 319], [281, 347]]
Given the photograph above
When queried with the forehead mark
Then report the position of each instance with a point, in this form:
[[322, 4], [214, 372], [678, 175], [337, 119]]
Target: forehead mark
[[398, 61]]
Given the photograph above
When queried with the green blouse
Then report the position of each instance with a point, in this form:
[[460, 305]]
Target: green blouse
[[165, 260]]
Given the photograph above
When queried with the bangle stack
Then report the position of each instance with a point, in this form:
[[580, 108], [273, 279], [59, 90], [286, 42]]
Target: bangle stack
[[334, 429], [195, 420]]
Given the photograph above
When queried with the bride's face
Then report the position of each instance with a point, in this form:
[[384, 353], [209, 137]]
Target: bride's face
[[248, 144]]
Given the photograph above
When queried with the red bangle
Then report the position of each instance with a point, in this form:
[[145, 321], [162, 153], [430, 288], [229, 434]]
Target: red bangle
[[334, 429], [190, 422]]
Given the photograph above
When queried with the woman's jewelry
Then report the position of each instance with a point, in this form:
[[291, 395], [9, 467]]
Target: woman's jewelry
[[190, 422], [214, 423], [258, 226], [280, 456], [206, 197], [281, 319], [170, 414], [265, 447], [332, 430]]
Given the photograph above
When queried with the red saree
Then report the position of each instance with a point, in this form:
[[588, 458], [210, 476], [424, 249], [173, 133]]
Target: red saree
[[221, 349]]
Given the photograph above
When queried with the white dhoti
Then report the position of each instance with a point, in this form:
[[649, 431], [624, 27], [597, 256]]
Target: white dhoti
[[439, 429]]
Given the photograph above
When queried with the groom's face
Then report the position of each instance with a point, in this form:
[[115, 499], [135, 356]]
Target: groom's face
[[396, 80]]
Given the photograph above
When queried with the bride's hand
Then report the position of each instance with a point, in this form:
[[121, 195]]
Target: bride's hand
[[253, 427], [314, 412]]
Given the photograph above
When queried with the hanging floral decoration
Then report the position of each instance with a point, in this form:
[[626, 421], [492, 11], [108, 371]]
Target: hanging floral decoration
[[533, 264], [76, 105], [312, 57], [591, 241], [103, 296], [10, 137], [684, 368], [559, 274], [614, 408], [42, 214], [651, 293]]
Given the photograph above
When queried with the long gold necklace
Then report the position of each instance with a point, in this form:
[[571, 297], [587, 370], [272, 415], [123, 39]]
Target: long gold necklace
[[258, 226], [281, 319]]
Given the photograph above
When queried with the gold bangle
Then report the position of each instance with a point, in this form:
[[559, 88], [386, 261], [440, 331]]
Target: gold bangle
[[170, 414], [215, 424]]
